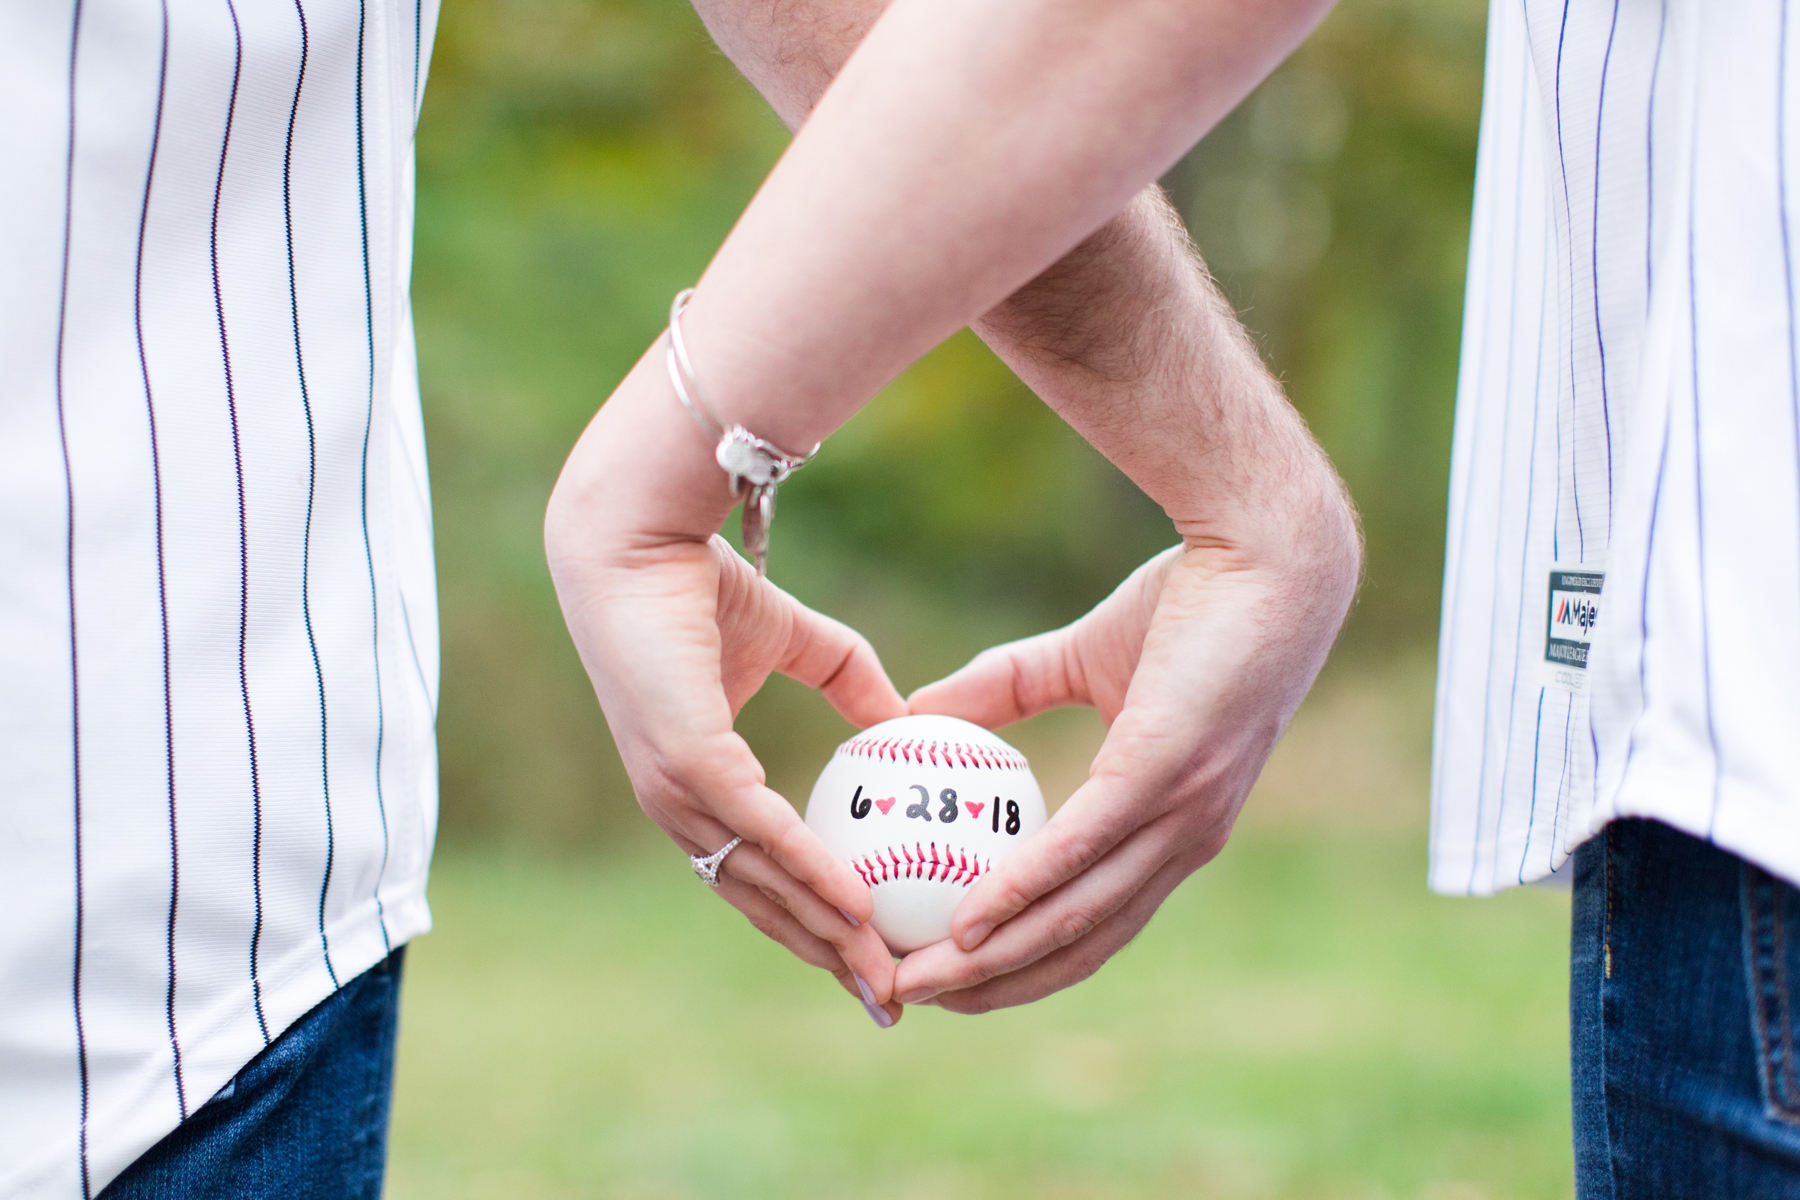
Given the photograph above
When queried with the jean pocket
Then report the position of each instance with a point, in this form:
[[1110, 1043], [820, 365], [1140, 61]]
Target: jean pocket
[[1769, 905]]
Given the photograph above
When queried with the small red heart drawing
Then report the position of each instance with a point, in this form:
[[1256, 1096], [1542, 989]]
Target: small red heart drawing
[[884, 805], [975, 807]]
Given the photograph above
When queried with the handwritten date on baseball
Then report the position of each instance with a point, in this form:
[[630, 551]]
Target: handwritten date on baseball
[[947, 811]]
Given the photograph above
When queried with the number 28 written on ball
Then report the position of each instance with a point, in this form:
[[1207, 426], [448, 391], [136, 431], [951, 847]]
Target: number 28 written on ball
[[948, 808]]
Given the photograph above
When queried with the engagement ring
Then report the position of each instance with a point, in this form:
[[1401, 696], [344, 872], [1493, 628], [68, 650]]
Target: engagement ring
[[707, 867]]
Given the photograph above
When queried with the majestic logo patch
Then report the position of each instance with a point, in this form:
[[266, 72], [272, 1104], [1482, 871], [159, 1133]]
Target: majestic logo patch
[[1574, 613]]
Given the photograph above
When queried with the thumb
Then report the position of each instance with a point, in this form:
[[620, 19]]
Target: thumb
[[1010, 682]]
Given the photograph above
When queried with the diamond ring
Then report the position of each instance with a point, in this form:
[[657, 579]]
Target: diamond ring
[[707, 866]]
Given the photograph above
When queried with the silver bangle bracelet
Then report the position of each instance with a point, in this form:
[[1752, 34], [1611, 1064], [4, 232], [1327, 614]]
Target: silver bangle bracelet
[[749, 462]]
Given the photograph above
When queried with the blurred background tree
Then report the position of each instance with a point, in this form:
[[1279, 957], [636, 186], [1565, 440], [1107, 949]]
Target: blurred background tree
[[580, 160]]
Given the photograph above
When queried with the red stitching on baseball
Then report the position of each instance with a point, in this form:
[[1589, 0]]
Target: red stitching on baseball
[[912, 862], [920, 752]]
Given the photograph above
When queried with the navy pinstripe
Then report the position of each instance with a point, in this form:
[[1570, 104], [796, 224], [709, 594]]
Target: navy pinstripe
[[243, 527], [1569, 226], [1524, 576], [1537, 742], [62, 430], [1656, 498], [1524, 556], [1599, 331], [312, 484], [1562, 779], [362, 203], [1505, 443], [418, 48], [162, 576], [1662, 459]]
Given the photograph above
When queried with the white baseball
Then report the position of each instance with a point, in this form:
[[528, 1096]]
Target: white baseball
[[922, 807]]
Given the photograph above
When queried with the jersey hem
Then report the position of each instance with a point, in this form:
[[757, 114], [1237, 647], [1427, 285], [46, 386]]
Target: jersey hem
[[1451, 872], [215, 1054]]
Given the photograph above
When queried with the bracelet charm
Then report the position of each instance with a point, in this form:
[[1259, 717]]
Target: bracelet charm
[[748, 459], [753, 466]]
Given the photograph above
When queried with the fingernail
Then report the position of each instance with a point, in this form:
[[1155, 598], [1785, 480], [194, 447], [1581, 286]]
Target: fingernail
[[853, 921], [862, 985], [877, 1014], [918, 995], [977, 934]]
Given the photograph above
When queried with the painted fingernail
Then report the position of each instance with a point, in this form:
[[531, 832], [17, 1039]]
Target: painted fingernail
[[918, 995], [853, 921], [862, 985], [977, 934], [877, 1014]]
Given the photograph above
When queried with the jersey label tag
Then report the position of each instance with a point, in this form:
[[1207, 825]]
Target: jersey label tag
[[1574, 612]]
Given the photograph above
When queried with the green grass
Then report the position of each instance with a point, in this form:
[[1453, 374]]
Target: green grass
[[1301, 1020]]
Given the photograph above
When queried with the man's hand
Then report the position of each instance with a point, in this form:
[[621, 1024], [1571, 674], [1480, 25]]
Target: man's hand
[[1196, 663]]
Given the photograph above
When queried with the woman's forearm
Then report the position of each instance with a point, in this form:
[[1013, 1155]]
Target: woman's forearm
[[965, 146]]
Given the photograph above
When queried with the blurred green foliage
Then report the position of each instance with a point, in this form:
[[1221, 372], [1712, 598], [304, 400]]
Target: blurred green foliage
[[579, 161]]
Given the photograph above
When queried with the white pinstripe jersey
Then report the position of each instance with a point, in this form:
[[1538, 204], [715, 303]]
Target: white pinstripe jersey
[[1626, 466], [217, 615]]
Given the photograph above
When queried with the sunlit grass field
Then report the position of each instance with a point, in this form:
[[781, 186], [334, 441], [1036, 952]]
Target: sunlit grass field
[[1301, 1020]]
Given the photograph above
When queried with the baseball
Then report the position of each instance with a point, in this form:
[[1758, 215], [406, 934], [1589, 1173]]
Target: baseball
[[922, 807]]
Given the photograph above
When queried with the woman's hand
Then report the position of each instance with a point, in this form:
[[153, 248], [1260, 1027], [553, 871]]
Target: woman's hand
[[677, 632], [1196, 663]]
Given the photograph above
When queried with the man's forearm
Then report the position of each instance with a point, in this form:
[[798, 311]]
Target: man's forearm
[[1126, 336], [1129, 339]]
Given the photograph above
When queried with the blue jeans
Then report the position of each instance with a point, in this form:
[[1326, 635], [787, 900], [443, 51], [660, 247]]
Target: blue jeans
[[1682, 1021], [307, 1118]]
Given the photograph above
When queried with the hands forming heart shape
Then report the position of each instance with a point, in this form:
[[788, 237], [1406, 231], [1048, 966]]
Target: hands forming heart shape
[[1025, 226]]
